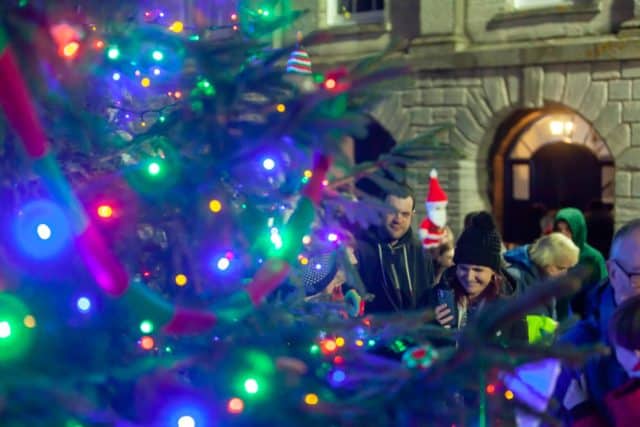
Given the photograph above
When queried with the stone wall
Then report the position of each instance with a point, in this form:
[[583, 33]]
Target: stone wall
[[476, 102]]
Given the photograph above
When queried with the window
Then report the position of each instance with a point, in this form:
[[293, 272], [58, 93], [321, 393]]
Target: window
[[533, 4], [521, 182], [346, 12]]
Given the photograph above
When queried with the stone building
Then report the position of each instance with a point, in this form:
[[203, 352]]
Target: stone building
[[543, 98]]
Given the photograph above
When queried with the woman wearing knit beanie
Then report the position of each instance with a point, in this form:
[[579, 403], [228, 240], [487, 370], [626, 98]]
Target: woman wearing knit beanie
[[476, 279]]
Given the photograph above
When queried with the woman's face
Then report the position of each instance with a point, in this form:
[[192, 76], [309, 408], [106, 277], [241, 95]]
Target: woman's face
[[474, 278]]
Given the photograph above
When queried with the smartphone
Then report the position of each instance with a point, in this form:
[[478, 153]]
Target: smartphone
[[447, 296]]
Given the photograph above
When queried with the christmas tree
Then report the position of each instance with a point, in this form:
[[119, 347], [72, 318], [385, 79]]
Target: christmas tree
[[163, 185]]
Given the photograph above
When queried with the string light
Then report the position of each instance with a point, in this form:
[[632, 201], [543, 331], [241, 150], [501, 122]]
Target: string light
[[157, 55], [99, 44], [223, 264], [186, 421], [29, 321], [340, 342], [311, 399], [235, 405], [113, 53], [147, 343], [146, 326], [491, 389], [145, 82], [43, 231], [116, 76], [215, 205], [268, 163], [330, 84], [359, 343], [83, 304], [105, 211], [70, 49], [307, 174], [251, 386], [176, 27], [281, 108], [181, 280], [5, 329], [509, 395]]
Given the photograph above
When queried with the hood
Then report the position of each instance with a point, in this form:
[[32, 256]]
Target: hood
[[520, 257], [577, 224]]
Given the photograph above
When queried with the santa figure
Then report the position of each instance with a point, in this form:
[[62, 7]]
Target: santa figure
[[433, 229]]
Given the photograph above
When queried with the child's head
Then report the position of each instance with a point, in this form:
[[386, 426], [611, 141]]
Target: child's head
[[624, 332]]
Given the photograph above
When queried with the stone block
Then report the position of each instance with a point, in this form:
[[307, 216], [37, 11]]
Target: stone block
[[468, 125], [478, 106], [635, 134], [610, 116], [533, 80], [443, 114], [635, 184], [594, 100], [578, 78], [626, 210], [631, 69], [620, 90], [553, 87], [455, 96], [635, 91], [496, 92], [623, 184], [421, 116], [629, 160], [513, 87], [462, 144], [618, 139], [411, 98], [433, 97], [631, 111], [605, 70]]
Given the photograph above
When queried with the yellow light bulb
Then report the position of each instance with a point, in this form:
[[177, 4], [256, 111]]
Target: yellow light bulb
[[281, 108], [311, 399], [181, 280], [215, 205], [145, 82]]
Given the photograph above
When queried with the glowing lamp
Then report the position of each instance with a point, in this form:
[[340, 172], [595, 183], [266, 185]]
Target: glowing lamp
[[281, 108], [153, 168], [146, 327], [491, 389], [43, 231], [145, 82], [338, 376], [509, 395], [29, 321], [215, 205], [115, 76], [332, 237], [181, 280]]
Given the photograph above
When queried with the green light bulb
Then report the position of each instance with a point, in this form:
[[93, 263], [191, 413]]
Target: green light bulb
[[5, 329], [153, 168], [146, 327], [113, 52], [251, 386]]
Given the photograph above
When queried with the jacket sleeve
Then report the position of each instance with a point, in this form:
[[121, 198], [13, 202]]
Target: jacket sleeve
[[425, 277]]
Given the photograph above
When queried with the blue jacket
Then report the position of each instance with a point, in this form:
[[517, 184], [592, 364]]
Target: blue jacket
[[520, 266], [603, 373]]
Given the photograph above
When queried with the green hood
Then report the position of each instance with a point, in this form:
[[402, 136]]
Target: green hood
[[577, 224]]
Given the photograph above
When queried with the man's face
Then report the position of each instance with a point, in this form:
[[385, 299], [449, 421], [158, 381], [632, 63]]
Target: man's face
[[563, 227], [624, 268], [397, 224]]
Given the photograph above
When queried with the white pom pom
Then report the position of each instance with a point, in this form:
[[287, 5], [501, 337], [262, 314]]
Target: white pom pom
[[433, 173]]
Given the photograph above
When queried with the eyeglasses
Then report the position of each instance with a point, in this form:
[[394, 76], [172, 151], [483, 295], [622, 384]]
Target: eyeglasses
[[633, 277]]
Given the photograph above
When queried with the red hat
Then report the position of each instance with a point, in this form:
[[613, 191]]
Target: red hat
[[436, 193]]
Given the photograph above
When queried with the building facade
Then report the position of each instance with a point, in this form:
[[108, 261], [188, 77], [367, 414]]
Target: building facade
[[542, 98]]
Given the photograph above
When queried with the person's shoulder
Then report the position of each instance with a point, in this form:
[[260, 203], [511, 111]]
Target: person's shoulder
[[584, 332]]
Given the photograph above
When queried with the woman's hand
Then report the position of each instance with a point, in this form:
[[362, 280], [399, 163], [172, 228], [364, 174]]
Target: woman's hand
[[443, 315]]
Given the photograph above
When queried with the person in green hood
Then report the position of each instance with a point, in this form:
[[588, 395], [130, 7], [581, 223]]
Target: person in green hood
[[571, 222]]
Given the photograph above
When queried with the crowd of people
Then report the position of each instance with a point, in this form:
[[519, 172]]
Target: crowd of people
[[457, 279]]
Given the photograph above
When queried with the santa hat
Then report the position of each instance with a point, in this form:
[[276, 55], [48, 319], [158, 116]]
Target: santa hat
[[299, 62], [436, 193]]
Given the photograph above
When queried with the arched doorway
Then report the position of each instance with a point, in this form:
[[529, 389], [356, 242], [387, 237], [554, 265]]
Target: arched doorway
[[546, 160]]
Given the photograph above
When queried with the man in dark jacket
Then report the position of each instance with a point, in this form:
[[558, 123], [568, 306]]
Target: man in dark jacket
[[391, 261], [603, 374]]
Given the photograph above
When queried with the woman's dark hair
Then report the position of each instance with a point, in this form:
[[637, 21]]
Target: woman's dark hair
[[624, 327]]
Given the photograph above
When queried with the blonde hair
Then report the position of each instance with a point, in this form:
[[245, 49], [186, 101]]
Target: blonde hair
[[553, 248]]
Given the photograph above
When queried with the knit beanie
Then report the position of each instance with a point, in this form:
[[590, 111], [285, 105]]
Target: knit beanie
[[479, 243], [318, 272]]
